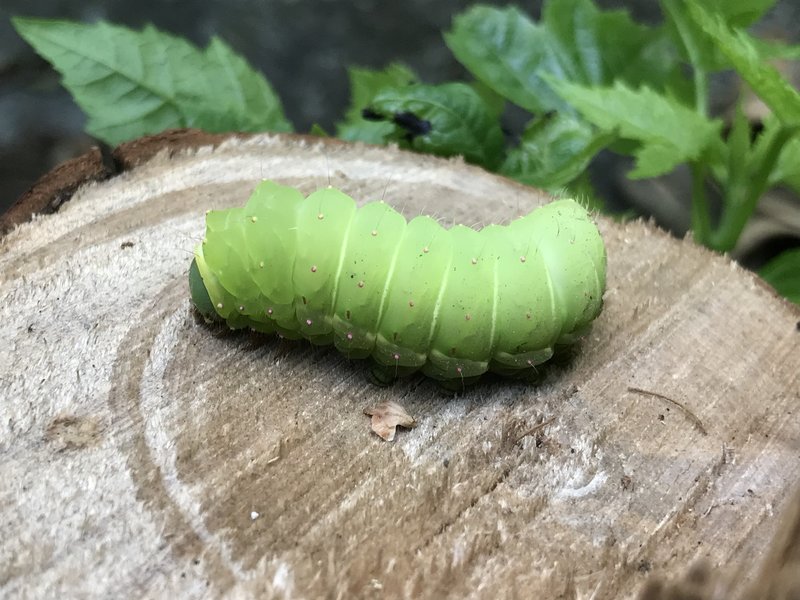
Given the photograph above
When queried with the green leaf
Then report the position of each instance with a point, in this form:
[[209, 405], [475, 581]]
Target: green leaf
[[746, 169], [783, 273], [554, 151], [700, 51], [494, 101], [739, 13], [669, 133], [695, 47], [506, 51], [776, 49], [364, 85], [252, 105], [133, 83], [447, 120], [786, 170], [764, 79], [606, 46], [575, 41], [318, 130]]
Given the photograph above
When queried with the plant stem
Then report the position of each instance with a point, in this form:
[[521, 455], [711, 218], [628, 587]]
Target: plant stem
[[678, 16], [700, 90], [736, 212], [701, 219]]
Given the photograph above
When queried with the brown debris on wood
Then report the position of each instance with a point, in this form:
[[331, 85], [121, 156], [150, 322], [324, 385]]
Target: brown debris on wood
[[197, 433], [534, 429], [691, 416], [386, 417]]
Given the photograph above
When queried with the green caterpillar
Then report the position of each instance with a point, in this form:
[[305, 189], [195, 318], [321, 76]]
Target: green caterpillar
[[412, 295]]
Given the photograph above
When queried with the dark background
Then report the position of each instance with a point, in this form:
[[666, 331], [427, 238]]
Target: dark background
[[302, 46]]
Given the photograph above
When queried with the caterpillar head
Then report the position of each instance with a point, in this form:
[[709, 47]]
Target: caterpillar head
[[200, 298]]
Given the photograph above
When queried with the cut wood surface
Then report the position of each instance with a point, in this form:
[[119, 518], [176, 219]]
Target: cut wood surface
[[144, 455]]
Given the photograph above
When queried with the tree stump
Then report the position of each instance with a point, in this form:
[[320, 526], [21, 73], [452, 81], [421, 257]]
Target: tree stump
[[144, 455]]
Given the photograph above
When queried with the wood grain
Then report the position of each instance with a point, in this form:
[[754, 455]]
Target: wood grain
[[142, 454]]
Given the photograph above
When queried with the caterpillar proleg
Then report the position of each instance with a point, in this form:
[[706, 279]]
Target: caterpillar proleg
[[454, 303]]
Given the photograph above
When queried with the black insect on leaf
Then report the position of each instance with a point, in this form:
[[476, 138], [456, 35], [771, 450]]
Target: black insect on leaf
[[406, 120], [412, 124], [371, 115]]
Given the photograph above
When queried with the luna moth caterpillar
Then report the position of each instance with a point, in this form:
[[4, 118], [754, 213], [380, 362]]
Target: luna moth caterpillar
[[412, 295]]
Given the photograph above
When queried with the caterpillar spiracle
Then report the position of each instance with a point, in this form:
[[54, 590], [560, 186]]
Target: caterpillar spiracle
[[412, 295]]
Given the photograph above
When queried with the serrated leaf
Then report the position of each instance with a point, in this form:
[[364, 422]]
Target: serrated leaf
[[669, 133], [787, 168], [553, 151], [607, 46], [763, 78], [700, 51], [133, 83], [575, 41], [252, 103], [447, 120], [364, 85], [506, 50], [783, 273]]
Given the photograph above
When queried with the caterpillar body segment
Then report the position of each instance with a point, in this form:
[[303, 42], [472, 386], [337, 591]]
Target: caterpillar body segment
[[411, 295]]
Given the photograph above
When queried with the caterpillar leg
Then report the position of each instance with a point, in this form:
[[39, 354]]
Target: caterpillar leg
[[383, 375], [531, 376], [454, 386], [563, 354]]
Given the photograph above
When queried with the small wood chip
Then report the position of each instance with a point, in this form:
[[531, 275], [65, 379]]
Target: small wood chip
[[386, 416]]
